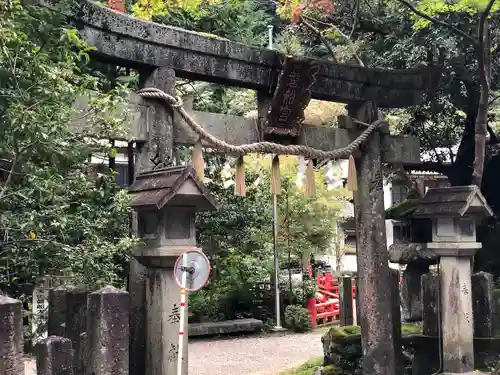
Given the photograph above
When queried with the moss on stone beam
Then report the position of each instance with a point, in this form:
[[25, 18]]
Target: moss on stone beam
[[402, 210]]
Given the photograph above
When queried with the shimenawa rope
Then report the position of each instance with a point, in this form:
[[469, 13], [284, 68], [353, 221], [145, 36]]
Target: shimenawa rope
[[260, 147]]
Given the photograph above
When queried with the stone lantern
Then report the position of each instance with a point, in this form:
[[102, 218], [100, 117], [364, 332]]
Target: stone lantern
[[455, 212], [166, 201]]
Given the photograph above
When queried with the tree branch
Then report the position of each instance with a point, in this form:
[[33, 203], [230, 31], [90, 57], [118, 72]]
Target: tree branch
[[484, 70], [321, 36], [439, 23], [10, 176], [355, 18], [349, 41], [493, 100]]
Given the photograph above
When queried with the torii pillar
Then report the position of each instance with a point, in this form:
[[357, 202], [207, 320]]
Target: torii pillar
[[375, 306], [156, 152]]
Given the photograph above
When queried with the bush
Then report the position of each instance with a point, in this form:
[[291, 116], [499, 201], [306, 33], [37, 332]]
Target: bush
[[297, 318], [309, 286], [205, 306]]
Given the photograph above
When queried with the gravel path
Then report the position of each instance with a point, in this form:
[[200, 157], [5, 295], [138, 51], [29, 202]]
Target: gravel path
[[248, 355]]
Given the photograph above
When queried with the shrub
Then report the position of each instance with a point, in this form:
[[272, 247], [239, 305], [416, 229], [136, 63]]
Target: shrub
[[297, 318]]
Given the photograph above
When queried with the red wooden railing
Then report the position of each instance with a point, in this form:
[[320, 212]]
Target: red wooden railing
[[324, 309]]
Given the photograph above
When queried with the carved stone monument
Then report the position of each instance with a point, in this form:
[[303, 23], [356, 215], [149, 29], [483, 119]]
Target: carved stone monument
[[454, 212], [166, 201]]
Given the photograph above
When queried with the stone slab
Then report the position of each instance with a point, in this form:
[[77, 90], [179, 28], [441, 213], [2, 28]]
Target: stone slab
[[225, 327], [138, 43]]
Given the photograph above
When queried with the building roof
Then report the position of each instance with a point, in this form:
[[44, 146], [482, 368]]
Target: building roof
[[175, 186], [453, 201]]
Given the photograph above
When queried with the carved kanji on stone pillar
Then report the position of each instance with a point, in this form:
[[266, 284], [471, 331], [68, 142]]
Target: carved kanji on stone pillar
[[117, 5]]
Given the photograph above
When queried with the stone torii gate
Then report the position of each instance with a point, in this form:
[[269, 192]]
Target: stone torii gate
[[162, 53]]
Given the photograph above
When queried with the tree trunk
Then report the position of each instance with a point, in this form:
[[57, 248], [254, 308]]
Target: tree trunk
[[484, 67]]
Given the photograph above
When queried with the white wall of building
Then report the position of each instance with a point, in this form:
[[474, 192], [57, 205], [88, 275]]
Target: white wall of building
[[349, 263]]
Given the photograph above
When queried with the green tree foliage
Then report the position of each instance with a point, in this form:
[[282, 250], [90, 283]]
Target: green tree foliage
[[57, 215], [239, 236], [244, 21], [400, 34]]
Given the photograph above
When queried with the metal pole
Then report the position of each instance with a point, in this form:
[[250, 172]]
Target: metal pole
[[270, 35], [182, 314], [276, 262]]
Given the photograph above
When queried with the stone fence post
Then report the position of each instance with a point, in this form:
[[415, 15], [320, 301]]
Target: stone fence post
[[430, 304], [11, 337], [396, 319], [68, 315], [107, 341], [482, 304], [68, 312], [346, 303], [54, 356]]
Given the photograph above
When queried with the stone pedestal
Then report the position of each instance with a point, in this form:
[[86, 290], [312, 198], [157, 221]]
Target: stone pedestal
[[456, 313], [163, 323]]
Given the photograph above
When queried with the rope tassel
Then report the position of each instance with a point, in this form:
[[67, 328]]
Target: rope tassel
[[239, 181], [310, 188], [197, 160], [352, 179], [275, 176]]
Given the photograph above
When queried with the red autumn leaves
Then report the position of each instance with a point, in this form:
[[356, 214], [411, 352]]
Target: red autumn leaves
[[324, 5]]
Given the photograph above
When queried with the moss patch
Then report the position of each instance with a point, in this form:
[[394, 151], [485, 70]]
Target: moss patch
[[349, 333], [308, 368], [411, 329], [344, 334], [402, 209], [311, 366], [496, 293]]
